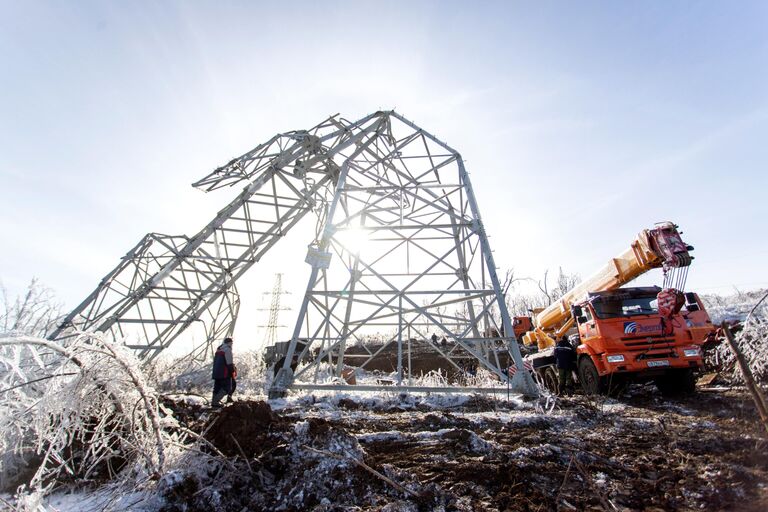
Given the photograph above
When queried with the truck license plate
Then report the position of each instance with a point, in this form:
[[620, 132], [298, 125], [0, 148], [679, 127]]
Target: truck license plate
[[662, 362]]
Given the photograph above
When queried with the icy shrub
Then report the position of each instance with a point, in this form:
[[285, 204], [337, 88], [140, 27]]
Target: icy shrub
[[730, 308], [432, 379], [752, 340], [34, 313], [78, 413], [186, 376]]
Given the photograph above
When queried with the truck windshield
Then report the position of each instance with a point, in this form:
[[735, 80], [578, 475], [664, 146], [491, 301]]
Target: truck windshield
[[613, 307]]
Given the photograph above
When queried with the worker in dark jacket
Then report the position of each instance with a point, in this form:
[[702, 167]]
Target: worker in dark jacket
[[223, 372], [565, 358]]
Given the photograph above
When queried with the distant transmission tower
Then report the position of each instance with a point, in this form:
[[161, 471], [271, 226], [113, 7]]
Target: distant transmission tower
[[274, 310]]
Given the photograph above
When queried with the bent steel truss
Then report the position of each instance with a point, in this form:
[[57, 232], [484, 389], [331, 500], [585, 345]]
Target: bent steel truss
[[401, 255], [402, 259]]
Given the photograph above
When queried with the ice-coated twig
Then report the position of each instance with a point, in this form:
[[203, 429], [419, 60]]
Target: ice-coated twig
[[365, 467], [754, 308], [82, 420], [604, 501], [139, 383]]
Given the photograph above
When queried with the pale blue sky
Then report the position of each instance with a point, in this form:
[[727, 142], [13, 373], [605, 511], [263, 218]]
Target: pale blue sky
[[581, 122]]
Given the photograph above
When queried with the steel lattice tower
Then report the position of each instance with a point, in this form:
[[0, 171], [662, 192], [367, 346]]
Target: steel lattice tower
[[401, 251], [274, 310]]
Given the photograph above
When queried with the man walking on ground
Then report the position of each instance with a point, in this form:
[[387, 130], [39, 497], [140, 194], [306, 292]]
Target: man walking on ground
[[223, 372], [565, 357]]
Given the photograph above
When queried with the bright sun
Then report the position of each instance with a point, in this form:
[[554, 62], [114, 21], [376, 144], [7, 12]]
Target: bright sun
[[353, 239]]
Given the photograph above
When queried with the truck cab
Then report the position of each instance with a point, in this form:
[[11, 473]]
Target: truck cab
[[623, 337]]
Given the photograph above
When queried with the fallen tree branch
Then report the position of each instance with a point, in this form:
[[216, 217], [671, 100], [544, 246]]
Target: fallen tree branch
[[80, 423], [604, 501], [242, 452], [365, 467], [36, 380], [565, 478], [754, 390], [754, 308], [151, 409]]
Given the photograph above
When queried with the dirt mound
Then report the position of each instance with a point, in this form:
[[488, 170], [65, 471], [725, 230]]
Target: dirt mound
[[244, 423], [478, 403], [346, 403], [279, 464]]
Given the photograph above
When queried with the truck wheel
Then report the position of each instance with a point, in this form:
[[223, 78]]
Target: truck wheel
[[549, 376], [588, 376]]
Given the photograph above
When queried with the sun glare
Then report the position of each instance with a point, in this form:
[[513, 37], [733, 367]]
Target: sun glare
[[353, 239]]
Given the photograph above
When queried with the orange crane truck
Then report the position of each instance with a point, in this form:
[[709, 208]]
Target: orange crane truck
[[623, 335]]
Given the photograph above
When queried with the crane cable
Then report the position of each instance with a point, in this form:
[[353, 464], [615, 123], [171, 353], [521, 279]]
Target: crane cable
[[676, 277]]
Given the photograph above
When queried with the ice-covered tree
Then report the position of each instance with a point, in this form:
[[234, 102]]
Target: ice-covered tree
[[82, 412], [33, 313]]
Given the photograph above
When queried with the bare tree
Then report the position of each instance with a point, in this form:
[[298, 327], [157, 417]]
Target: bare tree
[[565, 282], [521, 304], [544, 288]]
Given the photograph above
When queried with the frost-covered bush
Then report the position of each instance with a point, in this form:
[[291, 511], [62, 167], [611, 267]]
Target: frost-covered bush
[[752, 340], [251, 372], [34, 313], [82, 413], [183, 375], [432, 379], [179, 375], [730, 308]]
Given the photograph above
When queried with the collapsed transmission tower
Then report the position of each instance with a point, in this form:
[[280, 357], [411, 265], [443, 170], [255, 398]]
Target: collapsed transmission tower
[[400, 251]]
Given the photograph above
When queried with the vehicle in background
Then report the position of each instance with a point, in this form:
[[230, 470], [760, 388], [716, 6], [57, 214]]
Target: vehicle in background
[[628, 334]]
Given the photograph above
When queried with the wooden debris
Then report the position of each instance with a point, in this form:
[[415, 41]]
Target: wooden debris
[[707, 379]]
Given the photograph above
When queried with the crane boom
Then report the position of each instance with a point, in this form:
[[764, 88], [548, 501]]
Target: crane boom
[[659, 247]]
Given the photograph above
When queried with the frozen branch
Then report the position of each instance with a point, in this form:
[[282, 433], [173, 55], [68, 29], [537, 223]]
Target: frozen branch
[[72, 410]]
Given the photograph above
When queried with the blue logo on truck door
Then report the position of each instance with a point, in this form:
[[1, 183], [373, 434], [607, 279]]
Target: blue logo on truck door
[[634, 328]]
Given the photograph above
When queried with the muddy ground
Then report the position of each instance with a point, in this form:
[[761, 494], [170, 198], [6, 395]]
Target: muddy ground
[[640, 452]]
